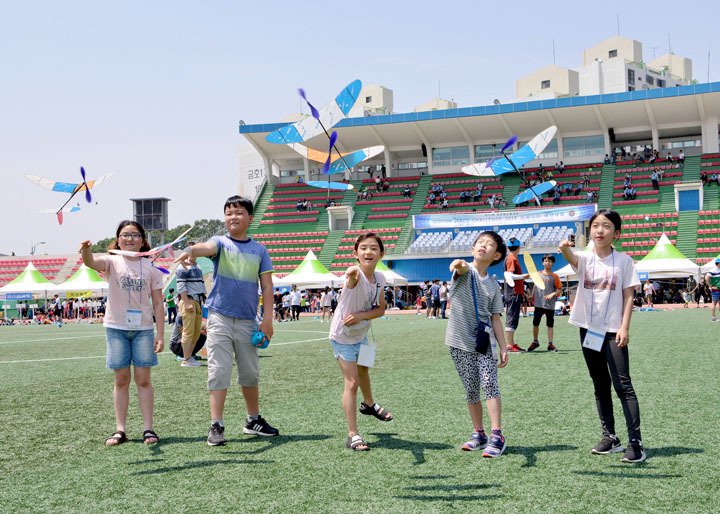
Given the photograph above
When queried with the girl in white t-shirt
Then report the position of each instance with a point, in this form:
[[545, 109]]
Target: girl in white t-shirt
[[326, 303], [134, 296], [602, 310], [362, 300]]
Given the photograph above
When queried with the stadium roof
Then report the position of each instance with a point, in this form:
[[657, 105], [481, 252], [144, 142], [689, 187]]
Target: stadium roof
[[671, 112]]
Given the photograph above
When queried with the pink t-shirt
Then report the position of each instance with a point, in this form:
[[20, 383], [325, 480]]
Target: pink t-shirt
[[360, 298], [131, 282]]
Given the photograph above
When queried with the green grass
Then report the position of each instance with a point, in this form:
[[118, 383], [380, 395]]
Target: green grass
[[56, 410]]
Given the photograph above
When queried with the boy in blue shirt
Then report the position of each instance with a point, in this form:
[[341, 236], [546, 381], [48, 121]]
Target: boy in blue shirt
[[240, 263]]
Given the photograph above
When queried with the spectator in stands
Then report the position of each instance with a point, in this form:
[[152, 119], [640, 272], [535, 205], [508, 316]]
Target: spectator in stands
[[298, 205], [627, 181], [371, 171], [462, 197], [714, 178], [655, 180], [478, 194], [578, 189], [681, 157], [480, 187], [704, 178], [669, 157], [586, 181], [300, 179], [501, 202], [385, 186], [406, 192], [556, 196], [444, 206], [383, 171], [443, 195], [305, 204], [561, 168], [590, 197], [361, 192], [491, 201], [627, 193], [606, 160], [431, 198], [567, 187], [378, 184]]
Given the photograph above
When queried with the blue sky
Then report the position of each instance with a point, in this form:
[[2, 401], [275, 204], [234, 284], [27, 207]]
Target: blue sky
[[153, 90]]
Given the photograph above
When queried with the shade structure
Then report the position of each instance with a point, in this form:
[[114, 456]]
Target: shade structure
[[30, 280], [84, 279], [709, 265], [393, 279], [310, 274], [666, 261]]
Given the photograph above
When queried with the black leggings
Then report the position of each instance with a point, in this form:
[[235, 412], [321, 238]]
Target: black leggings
[[611, 365], [296, 312]]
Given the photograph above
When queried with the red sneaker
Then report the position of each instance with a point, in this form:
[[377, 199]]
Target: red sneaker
[[513, 348], [533, 346]]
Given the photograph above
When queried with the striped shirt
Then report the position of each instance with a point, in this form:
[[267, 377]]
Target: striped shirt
[[238, 266], [462, 326]]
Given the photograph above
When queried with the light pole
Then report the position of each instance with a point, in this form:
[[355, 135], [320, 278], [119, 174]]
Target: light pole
[[33, 247]]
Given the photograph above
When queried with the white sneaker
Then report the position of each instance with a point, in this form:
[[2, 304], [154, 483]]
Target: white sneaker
[[190, 363]]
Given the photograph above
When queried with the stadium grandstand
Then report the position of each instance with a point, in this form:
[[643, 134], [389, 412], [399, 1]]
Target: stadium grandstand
[[602, 141]]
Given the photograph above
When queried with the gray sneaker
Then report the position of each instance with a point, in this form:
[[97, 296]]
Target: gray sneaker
[[216, 435]]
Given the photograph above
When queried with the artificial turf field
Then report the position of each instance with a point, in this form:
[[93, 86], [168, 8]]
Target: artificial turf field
[[56, 410]]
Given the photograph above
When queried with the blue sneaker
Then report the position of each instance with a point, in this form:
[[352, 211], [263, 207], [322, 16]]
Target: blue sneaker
[[478, 441], [495, 447]]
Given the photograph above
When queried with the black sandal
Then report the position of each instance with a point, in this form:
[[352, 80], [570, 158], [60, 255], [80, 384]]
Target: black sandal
[[377, 411], [356, 443], [119, 437], [150, 434]]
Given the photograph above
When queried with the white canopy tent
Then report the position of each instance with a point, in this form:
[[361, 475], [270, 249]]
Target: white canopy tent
[[310, 274], [666, 261]]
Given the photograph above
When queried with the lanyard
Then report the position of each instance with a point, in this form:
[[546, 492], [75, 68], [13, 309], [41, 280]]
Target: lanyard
[[612, 277]]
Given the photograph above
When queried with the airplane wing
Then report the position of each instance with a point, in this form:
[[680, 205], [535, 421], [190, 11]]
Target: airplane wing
[[330, 115], [74, 208], [537, 190], [332, 186], [97, 181], [153, 251], [52, 185], [524, 155]]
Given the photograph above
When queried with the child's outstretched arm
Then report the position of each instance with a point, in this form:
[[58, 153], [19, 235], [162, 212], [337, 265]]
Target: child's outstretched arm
[[499, 331], [189, 254], [87, 257], [565, 247], [459, 267]]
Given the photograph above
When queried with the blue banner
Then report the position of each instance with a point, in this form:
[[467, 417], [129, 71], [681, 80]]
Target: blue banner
[[18, 296], [504, 218]]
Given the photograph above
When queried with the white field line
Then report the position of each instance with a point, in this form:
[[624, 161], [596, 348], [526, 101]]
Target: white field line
[[50, 340], [162, 354]]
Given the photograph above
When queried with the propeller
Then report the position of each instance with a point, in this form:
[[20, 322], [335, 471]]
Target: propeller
[[88, 196], [313, 110], [509, 143], [326, 166]]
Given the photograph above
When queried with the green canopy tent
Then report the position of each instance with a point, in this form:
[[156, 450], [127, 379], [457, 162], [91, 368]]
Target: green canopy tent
[[30, 280], [84, 279], [666, 261], [310, 274]]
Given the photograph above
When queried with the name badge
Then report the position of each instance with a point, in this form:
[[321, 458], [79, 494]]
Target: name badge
[[594, 339], [133, 318], [366, 355]]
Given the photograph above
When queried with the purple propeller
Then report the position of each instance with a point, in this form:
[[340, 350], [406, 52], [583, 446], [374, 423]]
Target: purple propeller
[[326, 166], [509, 143], [88, 196], [313, 110]]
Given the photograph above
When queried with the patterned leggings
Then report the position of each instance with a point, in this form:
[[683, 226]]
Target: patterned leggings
[[476, 371]]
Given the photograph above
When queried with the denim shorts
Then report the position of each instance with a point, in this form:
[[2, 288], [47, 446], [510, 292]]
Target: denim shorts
[[715, 296], [347, 352], [126, 347]]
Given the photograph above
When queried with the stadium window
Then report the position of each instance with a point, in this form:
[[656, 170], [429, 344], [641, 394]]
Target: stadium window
[[612, 53], [484, 153], [631, 76], [550, 152], [631, 88], [650, 80], [545, 84], [451, 156], [661, 82], [368, 99], [583, 146]]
